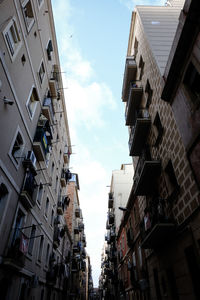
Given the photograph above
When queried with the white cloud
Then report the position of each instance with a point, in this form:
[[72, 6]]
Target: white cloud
[[86, 101], [130, 4]]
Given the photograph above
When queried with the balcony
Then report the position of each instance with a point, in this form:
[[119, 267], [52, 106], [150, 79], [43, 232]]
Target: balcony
[[76, 228], [74, 266], [42, 138], [77, 212], [40, 144], [110, 200], [47, 109], [52, 274], [53, 87], [66, 155], [129, 75], [111, 218], [146, 175], [156, 228], [16, 255], [139, 132], [60, 207], [81, 226], [65, 177], [27, 191], [107, 225], [134, 101], [56, 237]]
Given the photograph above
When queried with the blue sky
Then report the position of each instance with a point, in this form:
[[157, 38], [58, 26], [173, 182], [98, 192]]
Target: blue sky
[[92, 37]]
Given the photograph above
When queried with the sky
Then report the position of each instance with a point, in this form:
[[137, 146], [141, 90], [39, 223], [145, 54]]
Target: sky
[[92, 38]]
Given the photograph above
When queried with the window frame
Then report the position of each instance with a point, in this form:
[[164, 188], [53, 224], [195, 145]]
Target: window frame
[[46, 209], [41, 75], [40, 2], [11, 23], [49, 55], [193, 103], [18, 131], [6, 200], [28, 26], [19, 207], [30, 251], [31, 115]]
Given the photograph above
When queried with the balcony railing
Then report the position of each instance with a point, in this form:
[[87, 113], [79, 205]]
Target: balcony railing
[[134, 101], [110, 200], [56, 237], [60, 207], [129, 75], [52, 274], [47, 109], [77, 212], [65, 176], [139, 132], [15, 258], [111, 218], [42, 138], [27, 191], [66, 154], [40, 144], [146, 175], [156, 228]]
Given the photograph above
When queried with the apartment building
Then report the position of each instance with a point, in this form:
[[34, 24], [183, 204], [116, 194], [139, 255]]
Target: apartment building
[[121, 184], [34, 156], [74, 219], [163, 64]]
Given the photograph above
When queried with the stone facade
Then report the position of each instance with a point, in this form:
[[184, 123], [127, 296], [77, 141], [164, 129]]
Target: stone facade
[[164, 145]]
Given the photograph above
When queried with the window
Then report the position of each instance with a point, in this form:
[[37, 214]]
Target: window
[[47, 207], [194, 269], [56, 184], [40, 192], [3, 199], [191, 82], [32, 102], [49, 49], [194, 159], [31, 239], [52, 168], [135, 47], [171, 181], [41, 72], [149, 93], [158, 129], [12, 38], [40, 248], [141, 66], [157, 284], [172, 284], [40, 2], [28, 14], [17, 149], [52, 217], [17, 227], [47, 255]]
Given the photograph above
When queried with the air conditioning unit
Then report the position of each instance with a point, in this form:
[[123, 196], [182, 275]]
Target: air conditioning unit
[[30, 161], [32, 158]]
